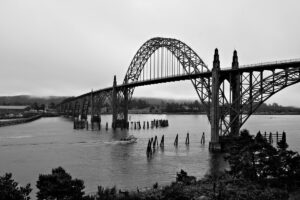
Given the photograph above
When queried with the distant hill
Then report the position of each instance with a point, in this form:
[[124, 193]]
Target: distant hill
[[29, 100], [159, 101], [168, 105]]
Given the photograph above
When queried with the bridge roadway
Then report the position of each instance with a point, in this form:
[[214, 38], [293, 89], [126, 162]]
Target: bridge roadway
[[285, 64]]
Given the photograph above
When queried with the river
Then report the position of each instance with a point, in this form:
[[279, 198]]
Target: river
[[30, 149]]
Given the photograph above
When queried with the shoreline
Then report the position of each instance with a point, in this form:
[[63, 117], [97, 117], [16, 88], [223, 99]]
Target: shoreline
[[196, 113], [19, 121]]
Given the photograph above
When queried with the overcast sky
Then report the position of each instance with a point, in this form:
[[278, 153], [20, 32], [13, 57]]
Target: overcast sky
[[68, 47]]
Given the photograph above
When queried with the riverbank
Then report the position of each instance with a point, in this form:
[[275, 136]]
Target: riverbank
[[203, 113], [19, 121]]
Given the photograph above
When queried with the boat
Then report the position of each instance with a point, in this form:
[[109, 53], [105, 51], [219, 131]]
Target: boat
[[129, 139]]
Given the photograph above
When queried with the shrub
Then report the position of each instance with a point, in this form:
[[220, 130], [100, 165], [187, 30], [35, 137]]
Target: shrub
[[59, 185], [10, 189]]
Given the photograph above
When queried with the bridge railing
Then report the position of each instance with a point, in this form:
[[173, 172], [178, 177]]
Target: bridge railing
[[272, 63], [267, 63]]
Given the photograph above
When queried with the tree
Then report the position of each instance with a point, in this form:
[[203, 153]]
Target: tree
[[253, 158], [59, 185], [42, 107], [282, 144], [257, 160], [35, 106], [52, 105], [10, 190]]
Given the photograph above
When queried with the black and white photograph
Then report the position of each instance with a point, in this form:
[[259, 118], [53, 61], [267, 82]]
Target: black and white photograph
[[149, 100]]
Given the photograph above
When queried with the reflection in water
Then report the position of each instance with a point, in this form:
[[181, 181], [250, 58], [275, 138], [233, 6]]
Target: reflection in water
[[162, 149], [187, 148]]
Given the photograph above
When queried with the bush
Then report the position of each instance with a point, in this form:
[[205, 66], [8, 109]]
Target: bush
[[10, 189], [59, 185], [257, 160]]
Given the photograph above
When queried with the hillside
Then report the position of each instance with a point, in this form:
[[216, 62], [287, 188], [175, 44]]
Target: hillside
[[29, 100]]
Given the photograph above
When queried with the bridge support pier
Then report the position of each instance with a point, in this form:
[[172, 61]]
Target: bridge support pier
[[125, 107], [236, 102], [114, 104], [92, 110], [214, 144]]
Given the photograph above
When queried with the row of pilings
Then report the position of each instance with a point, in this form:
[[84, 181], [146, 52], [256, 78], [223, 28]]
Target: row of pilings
[[156, 123], [82, 123], [95, 124], [274, 137], [153, 143]]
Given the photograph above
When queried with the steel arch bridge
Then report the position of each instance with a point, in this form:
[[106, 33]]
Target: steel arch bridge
[[230, 96]]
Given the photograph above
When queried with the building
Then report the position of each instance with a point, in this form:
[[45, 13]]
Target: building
[[13, 111]]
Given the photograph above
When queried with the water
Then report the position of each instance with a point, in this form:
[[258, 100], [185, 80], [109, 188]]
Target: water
[[28, 150]]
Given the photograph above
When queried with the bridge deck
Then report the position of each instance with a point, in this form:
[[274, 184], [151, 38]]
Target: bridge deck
[[244, 68]]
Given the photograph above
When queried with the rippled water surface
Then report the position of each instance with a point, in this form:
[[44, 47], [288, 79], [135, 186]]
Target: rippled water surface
[[28, 150]]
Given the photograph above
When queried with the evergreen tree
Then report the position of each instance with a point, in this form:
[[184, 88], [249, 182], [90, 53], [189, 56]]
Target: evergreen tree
[[59, 185], [10, 189], [282, 144]]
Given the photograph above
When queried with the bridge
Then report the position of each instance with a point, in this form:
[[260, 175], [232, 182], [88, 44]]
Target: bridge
[[230, 95]]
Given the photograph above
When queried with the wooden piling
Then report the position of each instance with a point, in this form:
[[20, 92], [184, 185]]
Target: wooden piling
[[155, 141], [106, 127], [162, 141], [147, 125], [176, 140], [270, 138], [202, 138], [149, 150], [92, 123], [187, 139], [99, 122], [74, 124], [277, 137]]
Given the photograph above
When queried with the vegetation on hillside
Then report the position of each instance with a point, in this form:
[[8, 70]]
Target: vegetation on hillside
[[161, 105]]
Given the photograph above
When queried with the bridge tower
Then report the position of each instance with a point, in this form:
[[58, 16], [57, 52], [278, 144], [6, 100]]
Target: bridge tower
[[214, 144], [236, 101], [114, 104]]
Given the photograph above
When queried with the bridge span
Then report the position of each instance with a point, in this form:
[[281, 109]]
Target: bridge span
[[230, 95]]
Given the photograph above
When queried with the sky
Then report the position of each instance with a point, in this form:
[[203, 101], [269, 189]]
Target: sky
[[69, 47]]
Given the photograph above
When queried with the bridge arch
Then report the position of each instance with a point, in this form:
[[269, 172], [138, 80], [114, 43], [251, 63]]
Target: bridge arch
[[188, 59]]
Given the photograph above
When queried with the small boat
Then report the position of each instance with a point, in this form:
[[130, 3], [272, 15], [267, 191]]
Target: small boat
[[129, 139]]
